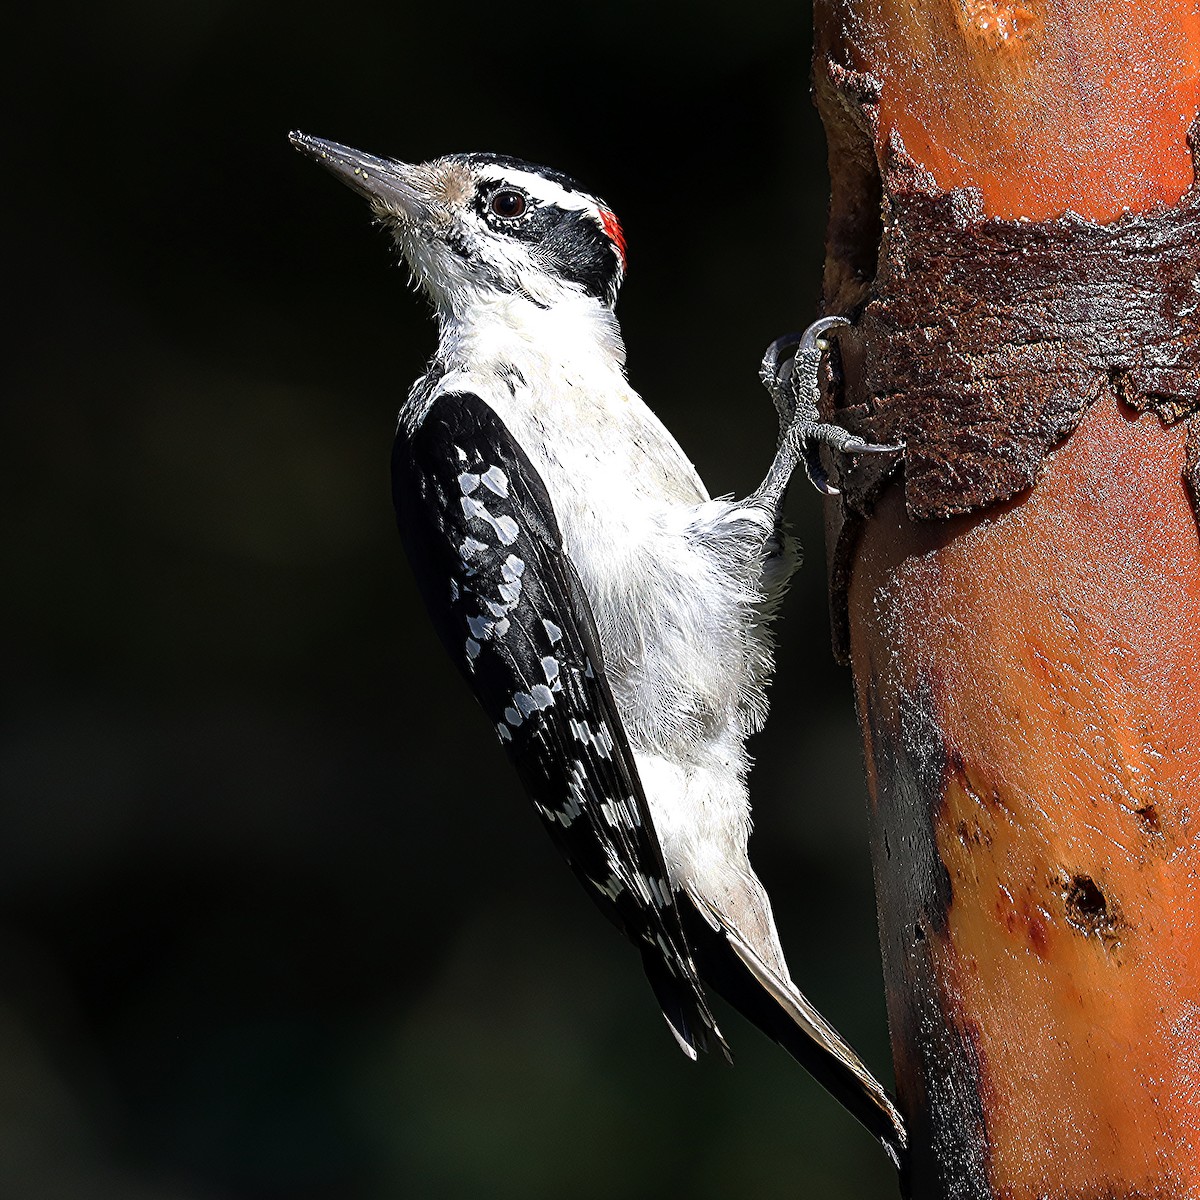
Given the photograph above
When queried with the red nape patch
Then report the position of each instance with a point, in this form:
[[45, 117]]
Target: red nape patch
[[613, 228]]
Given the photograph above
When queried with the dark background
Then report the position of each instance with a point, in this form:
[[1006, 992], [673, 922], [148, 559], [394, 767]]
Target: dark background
[[260, 936]]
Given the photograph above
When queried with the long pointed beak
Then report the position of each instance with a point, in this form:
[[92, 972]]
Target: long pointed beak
[[392, 187]]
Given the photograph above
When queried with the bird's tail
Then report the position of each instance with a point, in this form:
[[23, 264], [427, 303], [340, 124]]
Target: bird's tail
[[729, 964], [685, 1007]]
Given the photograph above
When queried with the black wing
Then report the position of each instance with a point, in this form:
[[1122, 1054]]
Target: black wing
[[479, 527]]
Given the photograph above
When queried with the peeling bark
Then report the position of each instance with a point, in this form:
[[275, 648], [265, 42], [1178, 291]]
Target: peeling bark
[[981, 342], [985, 340]]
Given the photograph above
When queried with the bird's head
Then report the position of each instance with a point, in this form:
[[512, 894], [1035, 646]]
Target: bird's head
[[476, 226]]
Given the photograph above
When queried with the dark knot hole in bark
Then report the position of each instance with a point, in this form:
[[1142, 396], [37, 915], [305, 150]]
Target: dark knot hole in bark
[[1148, 818], [1088, 909]]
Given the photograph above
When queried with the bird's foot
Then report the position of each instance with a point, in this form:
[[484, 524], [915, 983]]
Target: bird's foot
[[775, 372], [794, 387], [813, 433]]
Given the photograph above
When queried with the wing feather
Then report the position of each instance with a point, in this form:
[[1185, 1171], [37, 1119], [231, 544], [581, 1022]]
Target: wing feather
[[480, 529]]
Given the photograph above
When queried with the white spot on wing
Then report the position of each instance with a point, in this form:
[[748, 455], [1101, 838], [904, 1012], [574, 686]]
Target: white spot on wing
[[612, 887], [484, 628], [505, 528], [552, 632], [613, 813], [480, 627], [603, 741], [504, 732], [550, 668], [577, 789], [467, 483], [657, 890], [495, 480]]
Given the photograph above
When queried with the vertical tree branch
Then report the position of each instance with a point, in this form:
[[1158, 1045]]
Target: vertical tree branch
[[1015, 229]]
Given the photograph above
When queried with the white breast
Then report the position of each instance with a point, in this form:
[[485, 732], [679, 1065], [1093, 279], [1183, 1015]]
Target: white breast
[[671, 622]]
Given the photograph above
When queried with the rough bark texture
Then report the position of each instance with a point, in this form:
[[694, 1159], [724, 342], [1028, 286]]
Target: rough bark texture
[[983, 341], [986, 340], [1020, 596]]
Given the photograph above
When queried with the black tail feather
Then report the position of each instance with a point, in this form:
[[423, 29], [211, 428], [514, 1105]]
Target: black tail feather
[[721, 968], [685, 1008]]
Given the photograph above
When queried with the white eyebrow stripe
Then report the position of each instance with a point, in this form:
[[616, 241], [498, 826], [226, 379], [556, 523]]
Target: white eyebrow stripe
[[545, 189]]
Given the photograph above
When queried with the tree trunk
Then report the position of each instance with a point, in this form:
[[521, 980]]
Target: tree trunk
[[1015, 231]]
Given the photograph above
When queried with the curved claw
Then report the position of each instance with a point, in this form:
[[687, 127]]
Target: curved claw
[[811, 337], [858, 446], [792, 382], [770, 368], [814, 468]]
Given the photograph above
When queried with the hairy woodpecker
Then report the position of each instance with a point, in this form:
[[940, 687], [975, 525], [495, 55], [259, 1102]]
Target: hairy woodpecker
[[611, 618]]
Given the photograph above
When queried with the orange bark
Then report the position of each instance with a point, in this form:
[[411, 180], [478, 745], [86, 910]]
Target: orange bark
[[1059, 639], [1042, 106], [1052, 643]]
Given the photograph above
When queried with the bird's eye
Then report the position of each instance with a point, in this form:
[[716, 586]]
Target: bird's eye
[[508, 204]]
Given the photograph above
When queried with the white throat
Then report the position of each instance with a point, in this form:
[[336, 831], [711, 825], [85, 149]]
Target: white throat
[[572, 337]]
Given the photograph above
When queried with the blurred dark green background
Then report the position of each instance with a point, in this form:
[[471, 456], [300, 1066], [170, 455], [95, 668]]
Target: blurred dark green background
[[259, 935]]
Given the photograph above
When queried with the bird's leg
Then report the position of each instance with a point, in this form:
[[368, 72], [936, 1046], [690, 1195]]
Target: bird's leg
[[794, 388]]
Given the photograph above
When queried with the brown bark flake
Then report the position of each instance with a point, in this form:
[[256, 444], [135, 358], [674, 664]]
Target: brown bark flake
[[986, 340]]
